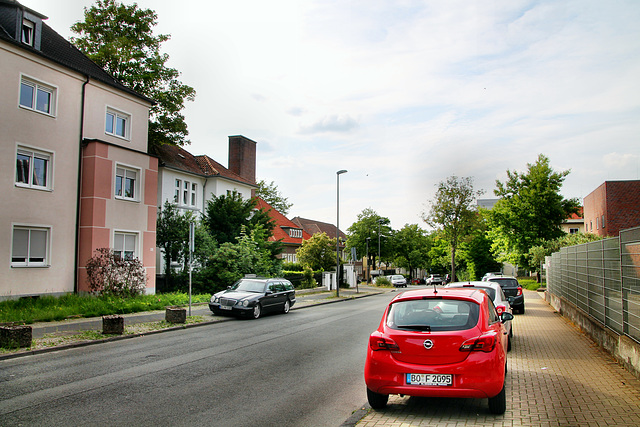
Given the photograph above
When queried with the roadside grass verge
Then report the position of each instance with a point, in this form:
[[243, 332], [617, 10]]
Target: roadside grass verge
[[48, 308]]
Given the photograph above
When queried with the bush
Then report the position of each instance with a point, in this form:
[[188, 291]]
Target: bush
[[112, 275], [382, 281]]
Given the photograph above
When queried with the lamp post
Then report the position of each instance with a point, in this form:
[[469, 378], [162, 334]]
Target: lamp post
[[379, 254], [340, 172], [368, 274]]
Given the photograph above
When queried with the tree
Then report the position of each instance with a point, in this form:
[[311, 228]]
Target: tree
[[529, 212], [318, 252], [226, 215], [537, 254], [453, 213], [370, 225], [270, 194], [120, 39], [172, 235], [412, 248]]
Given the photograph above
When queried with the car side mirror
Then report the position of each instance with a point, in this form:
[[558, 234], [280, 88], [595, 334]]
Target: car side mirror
[[505, 317], [268, 292]]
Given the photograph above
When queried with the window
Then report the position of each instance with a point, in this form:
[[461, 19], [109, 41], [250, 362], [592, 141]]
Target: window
[[296, 233], [29, 246], [126, 183], [33, 168], [117, 124], [124, 245], [37, 96], [28, 30], [573, 231], [185, 193]]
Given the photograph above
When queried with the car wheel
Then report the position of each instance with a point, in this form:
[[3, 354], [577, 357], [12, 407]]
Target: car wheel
[[257, 310], [377, 400], [498, 404], [508, 343], [286, 307], [521, 309]]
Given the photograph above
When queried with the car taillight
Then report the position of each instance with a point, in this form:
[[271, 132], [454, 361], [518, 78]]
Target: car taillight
[[379, 343], [519, 290], [484, 343], [500, 309]]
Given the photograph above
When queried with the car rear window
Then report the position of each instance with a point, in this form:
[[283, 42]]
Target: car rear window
[[506, 281], [433, 315]]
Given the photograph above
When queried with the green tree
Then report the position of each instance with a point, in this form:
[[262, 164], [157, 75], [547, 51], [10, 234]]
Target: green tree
[[411, 248], [120, 39], [476, 253], [318, 252], [370, 225], [172, 235], [530, 211], [538, 253], [270, 194], [453, 212], [226, 215]]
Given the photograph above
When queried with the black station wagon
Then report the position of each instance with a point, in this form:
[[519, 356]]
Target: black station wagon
[[252, 297]]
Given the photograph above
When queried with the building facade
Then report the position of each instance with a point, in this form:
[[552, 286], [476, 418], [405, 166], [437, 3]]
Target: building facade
[[74, 162], [613, 206]]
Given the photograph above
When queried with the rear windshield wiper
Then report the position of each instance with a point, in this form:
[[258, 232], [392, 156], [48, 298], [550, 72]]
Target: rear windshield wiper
[[426, 328]]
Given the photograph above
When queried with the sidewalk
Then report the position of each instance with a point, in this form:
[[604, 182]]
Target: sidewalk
[[304, 298], [557, 377]]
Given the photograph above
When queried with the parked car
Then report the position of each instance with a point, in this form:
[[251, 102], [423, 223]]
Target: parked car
[[434, 279], [398, 280], [512, 290], [457, 350], [498, 297], [252, 297], [418, 281]]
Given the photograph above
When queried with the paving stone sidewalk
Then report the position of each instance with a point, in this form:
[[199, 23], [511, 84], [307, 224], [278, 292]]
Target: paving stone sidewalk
[[556, 377]]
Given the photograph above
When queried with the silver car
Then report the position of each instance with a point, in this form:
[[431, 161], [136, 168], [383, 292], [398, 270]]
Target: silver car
[[398, 280], [497, 296]]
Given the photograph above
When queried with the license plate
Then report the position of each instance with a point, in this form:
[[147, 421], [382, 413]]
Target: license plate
[[430, 379], [225, 307]]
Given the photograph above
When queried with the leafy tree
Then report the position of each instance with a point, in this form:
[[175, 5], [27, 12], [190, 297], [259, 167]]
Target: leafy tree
[[172, 235], [226, 215], [318, 252], [270, 194], [120, 39], [476, 253], [453, 213], [412, 248], [538, 253], [370, 225], [529, 212]]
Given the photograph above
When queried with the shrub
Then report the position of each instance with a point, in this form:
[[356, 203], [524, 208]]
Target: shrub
[[112, 275], [382, 281]]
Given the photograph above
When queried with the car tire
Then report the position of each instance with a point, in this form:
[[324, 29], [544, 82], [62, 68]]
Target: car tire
[[521, 309], [257, 311], [377, 400], [286, 307], [509, 342], [498, 403]]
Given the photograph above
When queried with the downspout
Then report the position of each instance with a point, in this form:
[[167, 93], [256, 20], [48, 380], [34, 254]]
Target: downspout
[[81, 141]]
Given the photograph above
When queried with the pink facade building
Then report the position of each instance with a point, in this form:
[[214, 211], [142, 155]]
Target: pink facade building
[[74, 162]]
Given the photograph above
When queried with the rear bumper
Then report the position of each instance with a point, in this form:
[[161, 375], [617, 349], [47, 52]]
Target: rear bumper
[[476, 377]]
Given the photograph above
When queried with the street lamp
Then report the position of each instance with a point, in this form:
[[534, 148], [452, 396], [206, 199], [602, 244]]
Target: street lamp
[[368, 274], [340, 172]]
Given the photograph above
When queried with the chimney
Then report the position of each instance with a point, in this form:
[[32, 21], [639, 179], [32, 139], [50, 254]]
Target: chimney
[[242, 157]]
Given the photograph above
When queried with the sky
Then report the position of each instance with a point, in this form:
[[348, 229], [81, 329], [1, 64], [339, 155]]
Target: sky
[[403, 94]]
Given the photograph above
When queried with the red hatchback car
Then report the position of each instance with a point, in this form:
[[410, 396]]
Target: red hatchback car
[[439, 343]]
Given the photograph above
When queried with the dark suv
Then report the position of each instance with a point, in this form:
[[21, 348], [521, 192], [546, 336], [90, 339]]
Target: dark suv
[[512, 290]]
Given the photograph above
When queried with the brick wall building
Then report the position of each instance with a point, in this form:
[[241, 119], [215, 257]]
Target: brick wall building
[[613, 206]]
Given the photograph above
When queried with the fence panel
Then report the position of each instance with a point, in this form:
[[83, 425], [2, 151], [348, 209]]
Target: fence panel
[[630, 272]]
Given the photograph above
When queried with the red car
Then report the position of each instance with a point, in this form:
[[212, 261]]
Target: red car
[[439, 343]]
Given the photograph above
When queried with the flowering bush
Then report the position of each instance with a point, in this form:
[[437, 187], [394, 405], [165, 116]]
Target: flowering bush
[[112, 275]]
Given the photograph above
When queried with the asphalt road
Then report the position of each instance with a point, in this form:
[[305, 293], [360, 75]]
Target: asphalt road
[[300, 369]]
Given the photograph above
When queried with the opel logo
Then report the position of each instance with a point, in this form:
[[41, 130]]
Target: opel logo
[[428, 344]]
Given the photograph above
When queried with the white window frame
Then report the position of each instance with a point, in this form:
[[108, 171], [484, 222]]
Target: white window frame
[[124, 172], [38, 87], [185, 193], [29, 35], [32, 154], [122, 244], [115, 116], [27, 259]]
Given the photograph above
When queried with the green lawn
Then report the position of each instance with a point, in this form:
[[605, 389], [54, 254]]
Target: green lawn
[[47, 308]]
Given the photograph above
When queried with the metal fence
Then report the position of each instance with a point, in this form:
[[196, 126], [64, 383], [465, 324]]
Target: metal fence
[[602, 279]]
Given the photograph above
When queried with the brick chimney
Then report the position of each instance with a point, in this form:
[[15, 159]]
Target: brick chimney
[[242, 157]]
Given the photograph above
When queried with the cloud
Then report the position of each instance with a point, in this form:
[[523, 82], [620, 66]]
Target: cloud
[[333, 123]]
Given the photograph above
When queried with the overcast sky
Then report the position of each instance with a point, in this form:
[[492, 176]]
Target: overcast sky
[[404, 93]]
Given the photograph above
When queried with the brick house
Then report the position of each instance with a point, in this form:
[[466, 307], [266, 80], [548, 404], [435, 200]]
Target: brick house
[[75, 167], [613, 206], [286, 231]]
